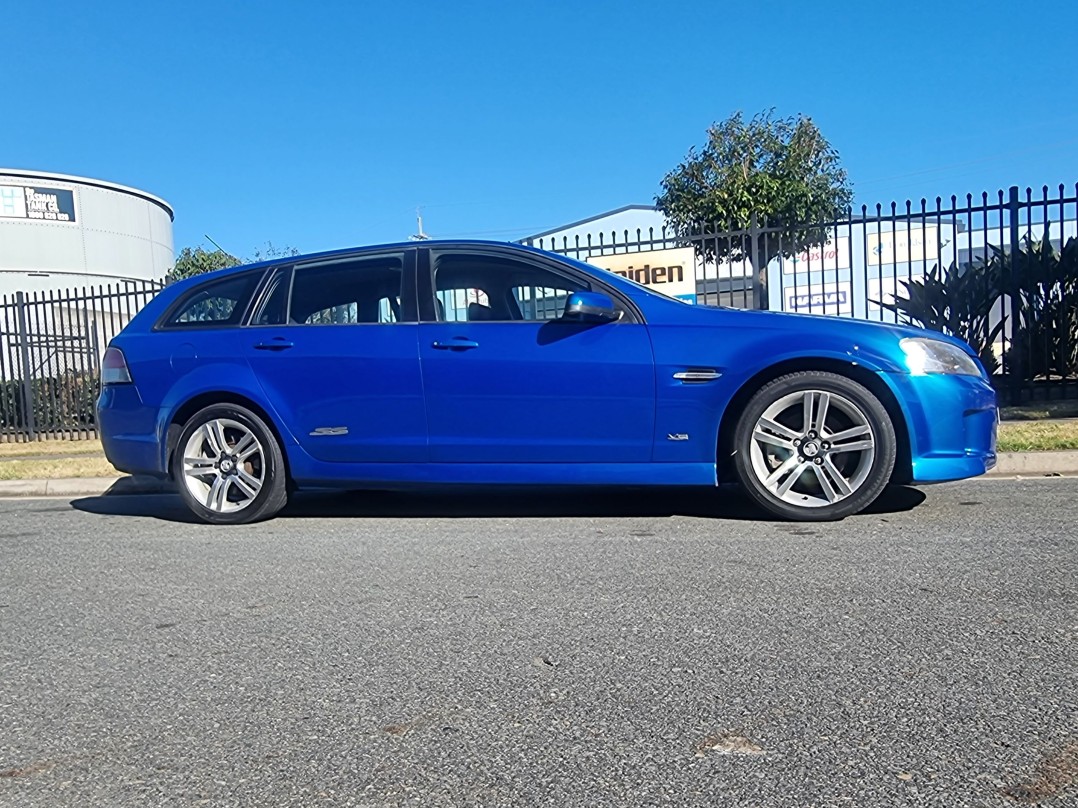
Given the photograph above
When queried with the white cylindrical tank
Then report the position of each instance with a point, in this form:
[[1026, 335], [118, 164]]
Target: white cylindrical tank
[[62, 232]]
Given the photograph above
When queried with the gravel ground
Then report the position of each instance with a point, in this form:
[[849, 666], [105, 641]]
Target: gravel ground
[[563, 649]]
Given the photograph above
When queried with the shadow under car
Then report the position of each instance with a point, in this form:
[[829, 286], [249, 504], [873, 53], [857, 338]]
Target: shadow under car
[[725, 502]]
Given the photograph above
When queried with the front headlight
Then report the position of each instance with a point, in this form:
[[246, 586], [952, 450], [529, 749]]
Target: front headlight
[[924, 355]]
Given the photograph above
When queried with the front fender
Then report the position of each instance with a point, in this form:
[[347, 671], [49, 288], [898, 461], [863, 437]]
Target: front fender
[[744, 352]]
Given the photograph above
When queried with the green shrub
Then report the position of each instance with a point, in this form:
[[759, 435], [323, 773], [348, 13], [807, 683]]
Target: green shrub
[[956, 301], [1042, 280], [61, 403], [1046, 341]]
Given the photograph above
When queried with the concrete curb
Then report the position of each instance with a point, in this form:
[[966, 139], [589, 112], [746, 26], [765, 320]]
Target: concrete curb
[[85, 487], [1009, 464], [1035, 464]]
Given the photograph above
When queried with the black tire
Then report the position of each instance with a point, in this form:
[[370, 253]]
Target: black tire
[[236, 506], [816, 494]]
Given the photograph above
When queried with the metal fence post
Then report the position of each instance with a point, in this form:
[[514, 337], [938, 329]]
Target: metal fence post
[[1016, 363], [759, 274], [24, 357]]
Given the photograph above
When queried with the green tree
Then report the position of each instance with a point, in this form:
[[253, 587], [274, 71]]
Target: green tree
[[193, 261], [781, 169], [269, 252], [196, 261]]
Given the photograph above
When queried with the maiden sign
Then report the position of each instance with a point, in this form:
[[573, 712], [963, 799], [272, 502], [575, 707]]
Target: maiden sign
[[671, 272]]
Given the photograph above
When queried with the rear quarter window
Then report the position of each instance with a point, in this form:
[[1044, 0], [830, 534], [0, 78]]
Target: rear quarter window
[[213, 304]]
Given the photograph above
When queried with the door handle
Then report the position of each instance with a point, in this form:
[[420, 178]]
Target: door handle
[[277, 344], [455, 344]]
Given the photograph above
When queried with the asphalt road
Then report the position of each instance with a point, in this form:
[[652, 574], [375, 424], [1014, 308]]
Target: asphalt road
[[613, 648]]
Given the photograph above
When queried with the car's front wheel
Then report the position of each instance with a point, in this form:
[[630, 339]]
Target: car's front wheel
[[814, 446], [229, 467]]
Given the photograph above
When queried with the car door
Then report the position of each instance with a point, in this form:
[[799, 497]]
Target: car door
[[507, 380], [334, 343]]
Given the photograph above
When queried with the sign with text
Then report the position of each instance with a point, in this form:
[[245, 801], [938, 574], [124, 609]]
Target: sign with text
[[42, 204], [835, 254], [671, 272], [827, 298], [903, 246]]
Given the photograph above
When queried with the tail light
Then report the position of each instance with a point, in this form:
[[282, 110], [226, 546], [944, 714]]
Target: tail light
[[114, 368]]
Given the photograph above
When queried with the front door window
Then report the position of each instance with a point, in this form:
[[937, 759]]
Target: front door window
[[471, 287]]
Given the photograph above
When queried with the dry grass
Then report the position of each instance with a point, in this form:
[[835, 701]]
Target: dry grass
[[1038, 436], [92, 466], [50, 447]]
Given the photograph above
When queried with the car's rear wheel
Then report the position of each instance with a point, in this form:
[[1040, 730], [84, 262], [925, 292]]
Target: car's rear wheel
[[814, 446], [229, 467]]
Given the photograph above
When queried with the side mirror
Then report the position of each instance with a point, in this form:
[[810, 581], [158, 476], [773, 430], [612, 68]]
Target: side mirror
[[590, 307]]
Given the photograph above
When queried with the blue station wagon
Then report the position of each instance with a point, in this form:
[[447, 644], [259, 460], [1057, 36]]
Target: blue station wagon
[[435, 363]]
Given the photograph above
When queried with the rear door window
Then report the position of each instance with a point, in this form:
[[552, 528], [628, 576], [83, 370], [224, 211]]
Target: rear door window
[[359, 290]]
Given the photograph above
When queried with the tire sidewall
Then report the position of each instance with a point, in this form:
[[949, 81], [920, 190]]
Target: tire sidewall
[[266, 503], [883, 434]]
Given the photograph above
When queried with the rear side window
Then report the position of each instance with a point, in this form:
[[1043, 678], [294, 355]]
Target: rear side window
[[217, 303], [364, 290]]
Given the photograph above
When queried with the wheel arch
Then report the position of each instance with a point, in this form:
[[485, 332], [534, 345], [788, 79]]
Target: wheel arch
[[903, 470], [200, 401]]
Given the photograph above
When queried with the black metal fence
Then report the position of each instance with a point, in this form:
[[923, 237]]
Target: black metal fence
[[1000, 271], [51, 344]]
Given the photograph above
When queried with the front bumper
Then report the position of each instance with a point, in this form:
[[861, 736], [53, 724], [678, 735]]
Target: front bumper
[[952, 422]]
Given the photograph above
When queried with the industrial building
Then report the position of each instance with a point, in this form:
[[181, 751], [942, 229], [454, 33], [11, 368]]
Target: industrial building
[[62, 232]]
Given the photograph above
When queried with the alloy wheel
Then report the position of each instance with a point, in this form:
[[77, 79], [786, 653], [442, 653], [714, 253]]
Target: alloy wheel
[[812, 448], [224, 465]]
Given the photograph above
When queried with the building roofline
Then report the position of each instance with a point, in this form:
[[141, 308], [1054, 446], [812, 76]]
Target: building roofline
[[109, 186], [596, 217]]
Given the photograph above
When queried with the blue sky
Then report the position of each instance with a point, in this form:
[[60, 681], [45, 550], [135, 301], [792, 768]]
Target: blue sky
[[325, 124]]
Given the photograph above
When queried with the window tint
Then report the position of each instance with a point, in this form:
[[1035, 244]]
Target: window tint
[[479, 287], [270, 309], [349, 291], [216, 303]]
